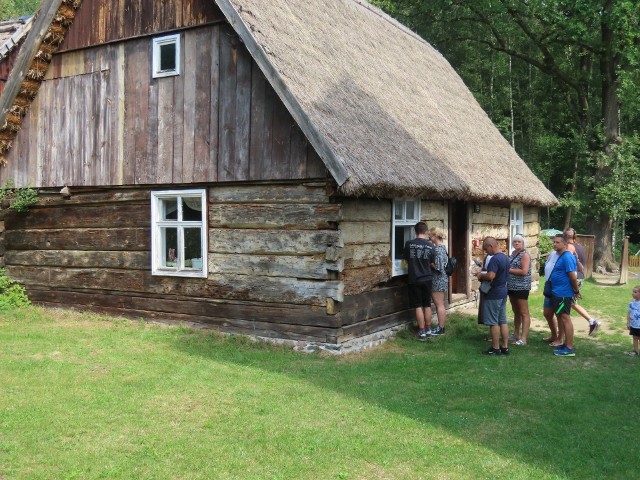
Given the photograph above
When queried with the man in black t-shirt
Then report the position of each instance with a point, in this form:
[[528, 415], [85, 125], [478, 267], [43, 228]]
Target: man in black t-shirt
[[419, 254]]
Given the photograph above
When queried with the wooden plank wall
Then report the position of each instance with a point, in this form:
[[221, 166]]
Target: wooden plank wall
[[105, 21], [100, 119], [271, 266]]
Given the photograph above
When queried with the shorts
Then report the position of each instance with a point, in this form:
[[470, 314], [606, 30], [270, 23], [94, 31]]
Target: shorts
[[634, 331], [519, 294], [561, 305], [547, 303], [420, 295], [494, 312]]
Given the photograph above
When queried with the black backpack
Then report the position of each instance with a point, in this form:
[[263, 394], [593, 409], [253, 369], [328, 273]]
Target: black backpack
[[451, 266]]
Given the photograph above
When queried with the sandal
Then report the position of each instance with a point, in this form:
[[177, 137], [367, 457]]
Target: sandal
[[548, 339], [519, 343], [633, 354], [555, 344]]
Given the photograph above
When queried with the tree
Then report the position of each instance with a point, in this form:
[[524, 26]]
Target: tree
[[589, 52]]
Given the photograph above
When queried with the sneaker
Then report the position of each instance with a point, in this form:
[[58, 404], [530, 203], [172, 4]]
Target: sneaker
[[633, 354], [492, 351], [564, 352], [504, 351], [422, 335], [437, 331], [593, 328], [428, 330]]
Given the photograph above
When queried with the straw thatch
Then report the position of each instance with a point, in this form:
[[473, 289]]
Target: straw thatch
[[385, 111]]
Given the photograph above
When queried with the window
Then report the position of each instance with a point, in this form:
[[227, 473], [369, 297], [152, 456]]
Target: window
[[166, 56], [516, 223], [406, 213], [178, 240]]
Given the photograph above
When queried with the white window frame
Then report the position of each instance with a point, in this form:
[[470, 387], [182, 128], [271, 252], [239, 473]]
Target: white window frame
[[516, 222], [158, 243], [399, 266], [158, 43]]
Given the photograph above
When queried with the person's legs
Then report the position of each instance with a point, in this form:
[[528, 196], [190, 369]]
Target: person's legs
[[525, 318], [548, 315], [565, 318], [517, 316], [495, 336], [636, 341], [420, 318], [438, 300]]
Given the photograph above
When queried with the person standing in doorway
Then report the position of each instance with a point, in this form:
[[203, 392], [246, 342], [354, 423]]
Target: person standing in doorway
[[494, 303], [419, 255]]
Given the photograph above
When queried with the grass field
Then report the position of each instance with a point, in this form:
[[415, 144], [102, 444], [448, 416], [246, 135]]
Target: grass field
[[88, 397]]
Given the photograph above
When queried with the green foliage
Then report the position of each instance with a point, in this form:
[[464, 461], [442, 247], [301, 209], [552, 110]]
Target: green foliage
[[545, 244], [18, 199], [11, 294], [17, 8]]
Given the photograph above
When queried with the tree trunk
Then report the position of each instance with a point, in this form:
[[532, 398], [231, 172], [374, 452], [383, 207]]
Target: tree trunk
[[600, 227]]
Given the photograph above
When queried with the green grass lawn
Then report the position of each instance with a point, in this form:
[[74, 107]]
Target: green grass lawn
[[87, 397]]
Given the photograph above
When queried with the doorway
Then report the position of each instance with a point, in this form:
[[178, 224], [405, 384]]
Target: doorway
[[459, 228]]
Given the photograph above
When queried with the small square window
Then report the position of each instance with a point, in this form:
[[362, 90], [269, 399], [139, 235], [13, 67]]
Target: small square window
[[178, 241], [166, 56]]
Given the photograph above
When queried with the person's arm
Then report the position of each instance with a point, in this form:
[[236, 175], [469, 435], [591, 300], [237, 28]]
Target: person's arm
[[573, 278], [525, 261], [489, 275], [629, 320]]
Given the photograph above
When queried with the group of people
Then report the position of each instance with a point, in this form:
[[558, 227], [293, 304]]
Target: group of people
[[503, 277]]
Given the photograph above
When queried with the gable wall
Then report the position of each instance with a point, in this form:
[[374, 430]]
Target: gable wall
[[100, 119], [104, 21]]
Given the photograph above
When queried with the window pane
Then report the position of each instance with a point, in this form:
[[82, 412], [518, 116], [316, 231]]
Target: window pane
[[192, 248], [191, 209], [412, 210], [399, 210], [169, 209], [168, 56], [170, 247], [402, 236]]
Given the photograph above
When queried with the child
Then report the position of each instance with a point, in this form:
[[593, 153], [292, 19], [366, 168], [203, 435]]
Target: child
[[633, 320]]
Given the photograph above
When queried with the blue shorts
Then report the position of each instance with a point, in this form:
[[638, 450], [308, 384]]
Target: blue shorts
[[494, 312]]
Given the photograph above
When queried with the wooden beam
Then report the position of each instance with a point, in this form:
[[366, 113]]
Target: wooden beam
[[330, 159], [26, 55]]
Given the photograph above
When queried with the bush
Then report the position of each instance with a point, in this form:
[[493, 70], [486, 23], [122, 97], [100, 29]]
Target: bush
[[18, 199], [11, 294]]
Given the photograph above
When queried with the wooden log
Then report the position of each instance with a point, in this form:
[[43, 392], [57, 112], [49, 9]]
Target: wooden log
[[244, 327], [491, 215], [367, 255], [81, 216], [94, 196], [236, 287], [80, 259], [308, 192], [232, 310], [281, 216], [363, 279], [307, 267], [366, 232], [434, 211], [80, 239], [375, 325], [365, 210], [283, 242], [372, 304]]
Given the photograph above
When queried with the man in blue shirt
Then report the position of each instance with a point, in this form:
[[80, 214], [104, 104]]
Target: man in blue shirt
[[494, 303], [564, 288]]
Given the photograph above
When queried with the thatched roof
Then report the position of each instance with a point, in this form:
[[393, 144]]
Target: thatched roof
[[386, 112]]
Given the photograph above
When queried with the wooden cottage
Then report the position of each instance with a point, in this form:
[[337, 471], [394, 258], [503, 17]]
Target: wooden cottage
[[255, 166]]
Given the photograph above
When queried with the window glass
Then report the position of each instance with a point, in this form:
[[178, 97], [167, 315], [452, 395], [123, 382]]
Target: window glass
[[179, 233], [167, 57]]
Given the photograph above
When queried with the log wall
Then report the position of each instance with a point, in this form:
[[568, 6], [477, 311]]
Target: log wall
[[100, 119], [271, 262]]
